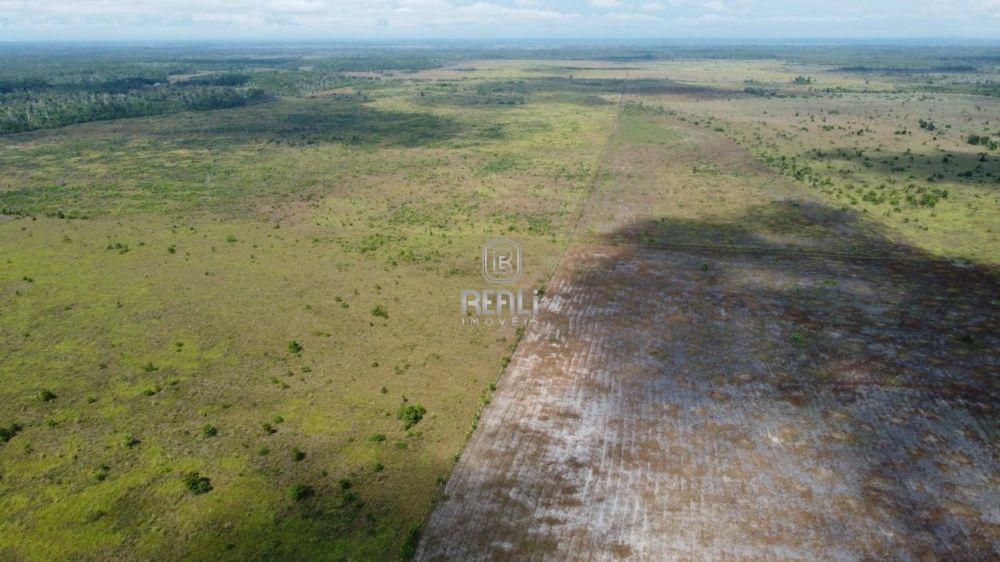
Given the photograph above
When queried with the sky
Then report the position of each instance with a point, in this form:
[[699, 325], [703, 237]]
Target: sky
[[29, 20]]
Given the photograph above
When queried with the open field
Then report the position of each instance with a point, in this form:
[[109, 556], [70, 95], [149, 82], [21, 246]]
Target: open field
[[777, 310]]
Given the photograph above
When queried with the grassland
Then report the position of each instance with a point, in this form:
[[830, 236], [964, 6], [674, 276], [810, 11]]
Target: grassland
[[157, 269], [252, 293]]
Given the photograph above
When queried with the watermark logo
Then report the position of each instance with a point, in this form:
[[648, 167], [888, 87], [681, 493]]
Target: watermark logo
[[503, 263], [503, 260]]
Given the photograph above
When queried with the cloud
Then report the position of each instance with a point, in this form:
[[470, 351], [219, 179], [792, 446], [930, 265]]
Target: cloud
[[337, 19]]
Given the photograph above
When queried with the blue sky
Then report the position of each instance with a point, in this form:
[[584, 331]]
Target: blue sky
[[495, 19]]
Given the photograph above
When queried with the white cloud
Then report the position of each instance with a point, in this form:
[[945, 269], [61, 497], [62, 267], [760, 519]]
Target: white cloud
[[336, 19]]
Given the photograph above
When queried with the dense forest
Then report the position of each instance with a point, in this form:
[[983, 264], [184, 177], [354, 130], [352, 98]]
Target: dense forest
[[29, 110]]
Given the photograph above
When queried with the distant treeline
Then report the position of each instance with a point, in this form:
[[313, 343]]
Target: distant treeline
[[118, 85], [27, 110], [907, 70]]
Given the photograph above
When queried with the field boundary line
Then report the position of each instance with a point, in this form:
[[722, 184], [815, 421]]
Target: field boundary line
[[595, 182]]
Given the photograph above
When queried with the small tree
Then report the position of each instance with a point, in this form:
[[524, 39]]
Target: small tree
[[197, 484]]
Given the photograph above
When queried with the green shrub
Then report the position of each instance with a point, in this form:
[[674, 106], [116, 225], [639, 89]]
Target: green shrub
[[299, 492], [377, 437], [102, 473], [797, 337], [122, 248], [380, 312], [410, 414], [298, 454], [197, 484], [295, 347], [129, 441], [209, 430], [409, 548], [46, 395], [8, 432], [347, 498]]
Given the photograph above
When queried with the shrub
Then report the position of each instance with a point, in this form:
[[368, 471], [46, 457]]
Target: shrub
[[298, 454], [129, 441], [8, 432], [377, 437], [409, 548], [300, 492], [46, 395], [410, 414], [969, 340], [102, 473], [380, 312], [294, 347], [197, 484], [209, 430], [797, 337], [347, 498], [122, 248], [231, 238]]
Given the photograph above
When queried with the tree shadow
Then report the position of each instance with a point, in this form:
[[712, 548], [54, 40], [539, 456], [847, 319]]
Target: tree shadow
[[338, 118], [341, 120]]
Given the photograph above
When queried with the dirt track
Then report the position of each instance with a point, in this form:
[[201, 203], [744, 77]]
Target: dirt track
[[805, 390]]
